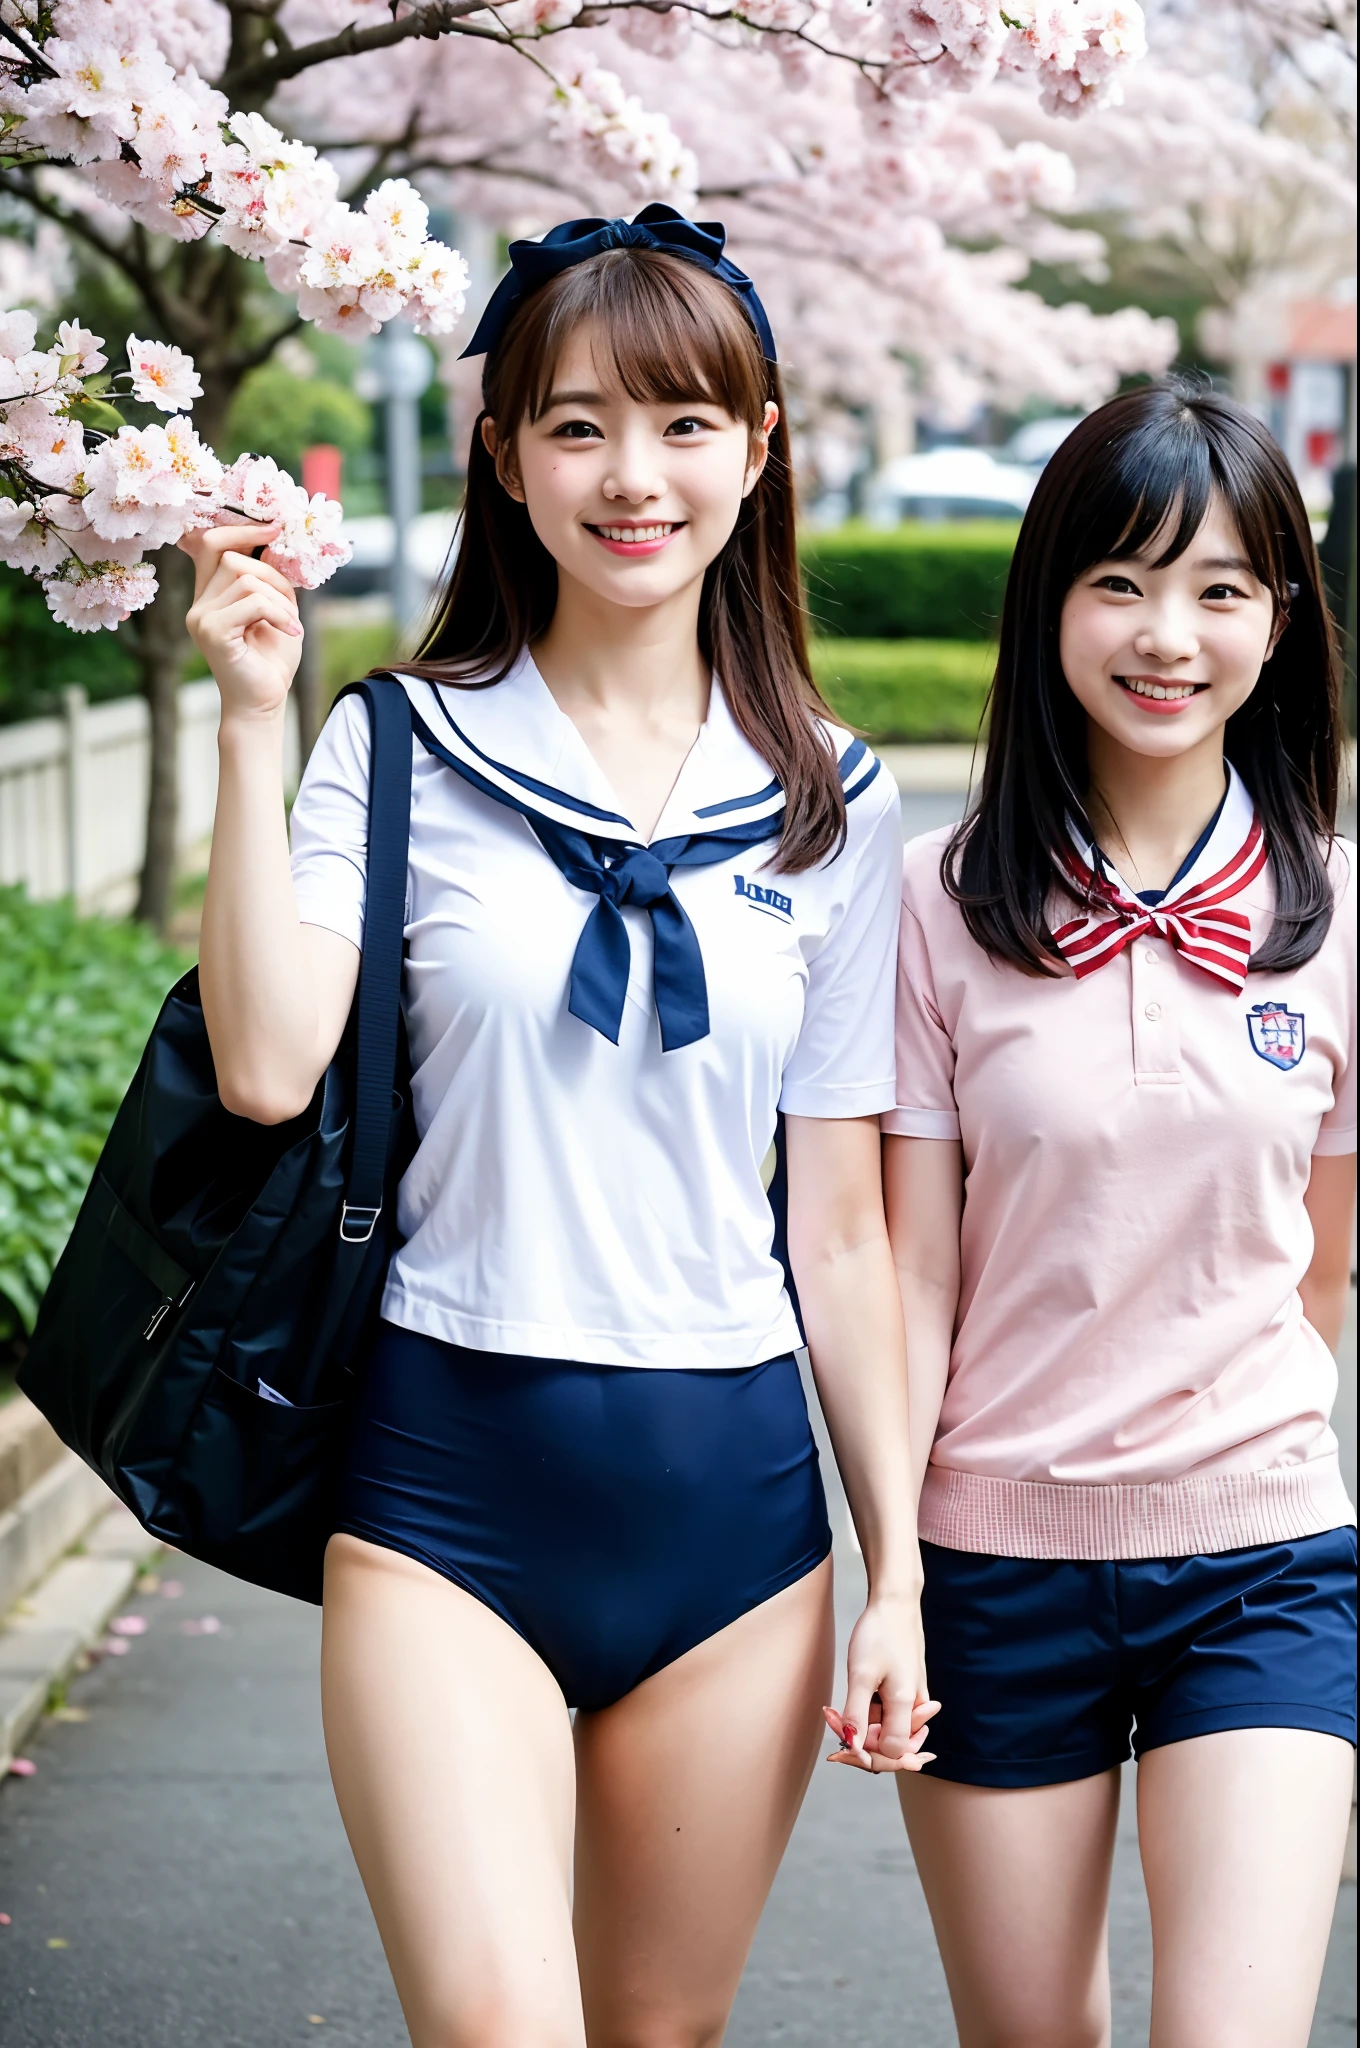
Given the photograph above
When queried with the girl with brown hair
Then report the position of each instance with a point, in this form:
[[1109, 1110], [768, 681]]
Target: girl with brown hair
[[651, 920]]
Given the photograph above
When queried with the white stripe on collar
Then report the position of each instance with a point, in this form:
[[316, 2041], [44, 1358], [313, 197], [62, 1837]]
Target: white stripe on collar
[[1229, 835], [510, 734]]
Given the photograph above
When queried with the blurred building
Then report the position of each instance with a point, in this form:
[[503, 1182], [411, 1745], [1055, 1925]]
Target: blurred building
[[1293, 362]]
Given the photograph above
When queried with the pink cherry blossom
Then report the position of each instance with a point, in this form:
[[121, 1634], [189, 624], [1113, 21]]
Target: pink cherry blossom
[[78, 345], [18, 332], [162, 375], [86, 599]]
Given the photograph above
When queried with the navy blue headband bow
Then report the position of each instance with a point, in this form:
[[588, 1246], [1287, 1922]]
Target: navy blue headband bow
[[657, 227]]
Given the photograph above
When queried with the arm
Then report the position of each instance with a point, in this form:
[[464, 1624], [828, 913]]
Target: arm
[[923, 1186], [838, 1248], [1330, 1202], [275, 992]]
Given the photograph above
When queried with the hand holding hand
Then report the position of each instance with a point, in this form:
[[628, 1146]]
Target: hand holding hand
[[244, 618], [885, 1720]]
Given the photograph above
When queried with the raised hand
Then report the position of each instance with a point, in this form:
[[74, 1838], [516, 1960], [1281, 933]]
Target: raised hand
[[244, 618]]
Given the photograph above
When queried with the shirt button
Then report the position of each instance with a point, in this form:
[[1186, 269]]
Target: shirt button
[[1152, 1011], [1150, 957]]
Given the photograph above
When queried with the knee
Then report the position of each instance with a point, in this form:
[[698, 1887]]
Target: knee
[[495, 2023], [663, 2031], [1061, 2031]]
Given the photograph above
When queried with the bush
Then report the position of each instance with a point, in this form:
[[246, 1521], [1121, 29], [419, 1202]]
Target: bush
[[37, 656], [901, 692], [78, 998], [278, 413], [910, 582], [906, 692]]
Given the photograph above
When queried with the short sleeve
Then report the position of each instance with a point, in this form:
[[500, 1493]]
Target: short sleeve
[[329, 825], [842, 1064], [1337, 1131], [925, 1106]]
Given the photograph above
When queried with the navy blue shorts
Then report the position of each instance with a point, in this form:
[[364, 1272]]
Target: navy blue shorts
[[1045, 1667], [615, 1516]]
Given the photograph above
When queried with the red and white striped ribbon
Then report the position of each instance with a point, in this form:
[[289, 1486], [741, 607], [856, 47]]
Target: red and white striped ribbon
[[1194, 918]]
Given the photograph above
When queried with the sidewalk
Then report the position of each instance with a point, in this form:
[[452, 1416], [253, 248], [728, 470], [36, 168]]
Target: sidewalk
[[176, 1875]]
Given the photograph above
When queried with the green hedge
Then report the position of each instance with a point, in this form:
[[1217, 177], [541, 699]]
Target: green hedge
[[37, 656], [896, 691], [909, 582], [906, 692], [78, 998]]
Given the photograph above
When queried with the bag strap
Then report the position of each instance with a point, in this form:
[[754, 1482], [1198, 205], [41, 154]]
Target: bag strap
[[379, 997]]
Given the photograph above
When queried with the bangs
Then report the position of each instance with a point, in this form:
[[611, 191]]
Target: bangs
[[1151, 489], [664, 332]]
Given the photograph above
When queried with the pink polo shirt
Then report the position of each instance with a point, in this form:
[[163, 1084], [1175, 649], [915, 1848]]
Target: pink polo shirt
[[1132, 1374]]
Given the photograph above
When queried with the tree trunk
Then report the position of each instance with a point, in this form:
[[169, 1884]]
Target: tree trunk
[[163, 647], [161, 638], [307, 681]]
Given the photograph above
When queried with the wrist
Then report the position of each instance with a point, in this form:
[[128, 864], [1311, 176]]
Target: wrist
[[251, 731], [900, 1589]]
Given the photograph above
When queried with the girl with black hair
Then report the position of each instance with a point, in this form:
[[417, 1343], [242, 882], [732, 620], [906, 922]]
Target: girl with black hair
[[1120, 1181], [651, 919]]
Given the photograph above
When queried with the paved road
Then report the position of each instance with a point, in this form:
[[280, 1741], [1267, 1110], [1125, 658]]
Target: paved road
[[182, 1844]]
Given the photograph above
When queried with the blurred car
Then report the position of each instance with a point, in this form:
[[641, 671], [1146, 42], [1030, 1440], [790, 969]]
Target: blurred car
[[369, 568], [1038, 440], [948, 483]]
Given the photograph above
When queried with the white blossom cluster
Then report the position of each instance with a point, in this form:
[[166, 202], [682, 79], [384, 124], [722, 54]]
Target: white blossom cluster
[[82, 504], [618, 137], [96, 89], [920, 48]]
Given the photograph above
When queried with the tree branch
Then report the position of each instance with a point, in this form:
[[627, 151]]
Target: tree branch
[[250, 359], [138, 274], [431, 20]]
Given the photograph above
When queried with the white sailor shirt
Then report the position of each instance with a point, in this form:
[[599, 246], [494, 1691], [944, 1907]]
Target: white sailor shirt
[[571, 1197]]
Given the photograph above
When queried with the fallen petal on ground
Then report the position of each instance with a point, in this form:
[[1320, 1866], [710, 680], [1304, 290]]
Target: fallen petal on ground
[[129, 1625], [206, 1625], [22, 1767]]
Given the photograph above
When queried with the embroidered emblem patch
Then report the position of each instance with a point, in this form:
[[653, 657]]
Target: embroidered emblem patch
[[1276, 1034], [768, 900]]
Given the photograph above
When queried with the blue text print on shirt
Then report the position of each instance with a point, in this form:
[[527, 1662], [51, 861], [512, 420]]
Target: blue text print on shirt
[[768, 900]]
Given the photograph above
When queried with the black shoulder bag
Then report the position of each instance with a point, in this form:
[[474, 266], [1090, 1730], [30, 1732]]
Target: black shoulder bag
[[200, 1339]]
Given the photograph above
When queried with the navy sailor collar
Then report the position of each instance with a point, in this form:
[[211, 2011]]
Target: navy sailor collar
[[725, 802], [514, 737]]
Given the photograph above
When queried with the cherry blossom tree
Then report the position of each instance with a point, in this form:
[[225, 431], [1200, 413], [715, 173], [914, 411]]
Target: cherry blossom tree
[[1231, 159], [183, 142]]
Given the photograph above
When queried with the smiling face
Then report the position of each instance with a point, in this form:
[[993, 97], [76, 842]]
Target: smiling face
[[632, 498], [1160, 657]]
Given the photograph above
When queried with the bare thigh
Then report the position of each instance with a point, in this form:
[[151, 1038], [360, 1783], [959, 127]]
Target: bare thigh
[[688, 1789], [450, 1750], [1018, 1885], [1242, 1835]]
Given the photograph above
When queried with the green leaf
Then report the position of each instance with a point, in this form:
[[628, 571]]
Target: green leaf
[[95, 413]]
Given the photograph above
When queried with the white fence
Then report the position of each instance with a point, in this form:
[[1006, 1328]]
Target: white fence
[[73, 794]]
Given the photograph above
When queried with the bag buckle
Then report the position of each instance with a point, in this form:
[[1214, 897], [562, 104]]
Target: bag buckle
[[358, 1222], [163, 1311]]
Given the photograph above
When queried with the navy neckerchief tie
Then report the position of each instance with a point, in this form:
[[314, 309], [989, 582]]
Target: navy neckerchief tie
[[599, 852]]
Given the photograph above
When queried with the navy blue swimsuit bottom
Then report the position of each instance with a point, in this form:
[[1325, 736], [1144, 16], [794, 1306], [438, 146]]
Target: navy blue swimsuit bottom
[[614, 1516]]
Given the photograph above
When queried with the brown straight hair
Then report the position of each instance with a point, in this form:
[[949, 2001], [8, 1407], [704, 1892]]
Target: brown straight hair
[[673, 334], [1137, 474]]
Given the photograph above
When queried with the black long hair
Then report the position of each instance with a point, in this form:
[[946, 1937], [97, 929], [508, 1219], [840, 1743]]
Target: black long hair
[[675, 334], [1142, 466]]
